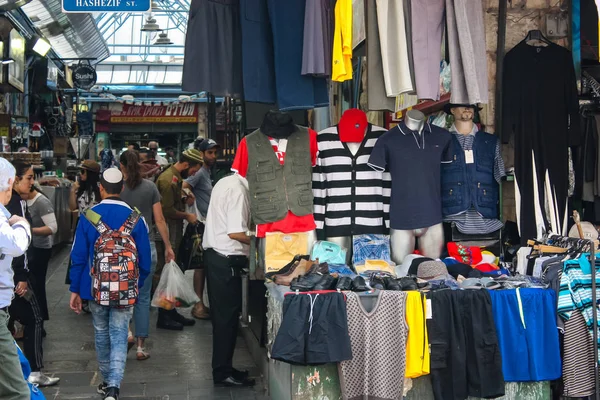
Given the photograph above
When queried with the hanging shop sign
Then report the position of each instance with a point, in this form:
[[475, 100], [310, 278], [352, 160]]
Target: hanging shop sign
[[84, 76], [182, 113], [106, 6]]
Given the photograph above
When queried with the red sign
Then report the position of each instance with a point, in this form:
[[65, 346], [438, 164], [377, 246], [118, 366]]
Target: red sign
[[183, 113]]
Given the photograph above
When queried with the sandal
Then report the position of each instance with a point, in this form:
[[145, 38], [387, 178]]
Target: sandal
[[141, 354]]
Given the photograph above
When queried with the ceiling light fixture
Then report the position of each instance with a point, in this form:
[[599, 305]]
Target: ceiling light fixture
[[42, 47], [7, 61], [163, 40], [150, 26]]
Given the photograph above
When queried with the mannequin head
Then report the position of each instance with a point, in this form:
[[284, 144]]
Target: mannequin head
[[415, 120], [353, 126], [462, 113]]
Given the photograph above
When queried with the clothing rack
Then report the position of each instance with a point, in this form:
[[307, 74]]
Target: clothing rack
[[560, 241]]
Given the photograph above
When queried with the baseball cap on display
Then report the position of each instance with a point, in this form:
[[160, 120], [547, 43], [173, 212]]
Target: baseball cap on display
[[208, 144]]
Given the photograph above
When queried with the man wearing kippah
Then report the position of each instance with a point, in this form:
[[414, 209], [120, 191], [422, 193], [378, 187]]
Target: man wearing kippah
[[169, 185], [111, 323]]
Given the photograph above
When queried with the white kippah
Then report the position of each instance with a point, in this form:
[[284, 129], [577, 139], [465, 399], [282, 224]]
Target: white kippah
[[112, 175]]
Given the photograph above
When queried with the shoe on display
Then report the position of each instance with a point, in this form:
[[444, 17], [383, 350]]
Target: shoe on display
[[344, 283], [327, 282], [359, 284], [391, 284], [112, 393], [407, 283], [376, 282], [182, 320], [233, 382], [306, 283], [38, 378], [318, 268], [301, 269], [288, 268]]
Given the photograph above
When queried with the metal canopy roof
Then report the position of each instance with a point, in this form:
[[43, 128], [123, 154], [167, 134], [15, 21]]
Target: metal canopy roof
[[135, 60], [71, 35]]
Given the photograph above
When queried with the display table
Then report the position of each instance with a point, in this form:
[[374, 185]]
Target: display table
[[294, 382]]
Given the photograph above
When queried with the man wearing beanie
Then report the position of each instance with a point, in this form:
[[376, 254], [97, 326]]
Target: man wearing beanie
[[111, 323], [169, 185]]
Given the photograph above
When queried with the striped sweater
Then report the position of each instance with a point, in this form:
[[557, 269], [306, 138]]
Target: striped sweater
[[350, 198], [575, 291]]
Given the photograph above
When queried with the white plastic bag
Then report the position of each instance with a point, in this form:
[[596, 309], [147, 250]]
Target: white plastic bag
[[173, 290]]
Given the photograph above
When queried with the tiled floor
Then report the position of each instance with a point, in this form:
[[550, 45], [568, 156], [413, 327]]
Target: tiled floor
[[179, 366]]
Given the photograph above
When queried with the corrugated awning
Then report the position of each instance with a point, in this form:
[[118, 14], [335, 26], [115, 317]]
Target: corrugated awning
[[71, 35]]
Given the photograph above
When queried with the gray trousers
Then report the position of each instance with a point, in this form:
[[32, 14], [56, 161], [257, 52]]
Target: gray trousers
[[12, 381], [468, 59]]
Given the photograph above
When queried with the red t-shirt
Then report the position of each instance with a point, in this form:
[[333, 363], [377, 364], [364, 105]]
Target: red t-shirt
[[291, 223]]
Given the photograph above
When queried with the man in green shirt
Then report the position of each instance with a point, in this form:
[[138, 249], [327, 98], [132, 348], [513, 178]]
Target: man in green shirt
[[169, 185]]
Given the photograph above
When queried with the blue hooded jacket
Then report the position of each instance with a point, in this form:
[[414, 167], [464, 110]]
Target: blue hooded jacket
[[114, 212]]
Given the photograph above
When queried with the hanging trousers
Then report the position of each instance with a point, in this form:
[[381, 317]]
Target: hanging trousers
[[465, 356], [466, 42], [224, 283], [29, 314], [38, 266]]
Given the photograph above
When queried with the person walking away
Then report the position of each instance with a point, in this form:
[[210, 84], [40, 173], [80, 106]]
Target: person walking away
[[169, 185], [201, 185], [110, 282], [85, 194], [227, 244], [15, 235], [25, 307], [43, 226], [143, 195], [153, 146]]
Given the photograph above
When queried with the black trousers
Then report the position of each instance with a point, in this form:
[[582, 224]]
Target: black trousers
[[28, 313], [38, 267], [465, 356], [224, 282]]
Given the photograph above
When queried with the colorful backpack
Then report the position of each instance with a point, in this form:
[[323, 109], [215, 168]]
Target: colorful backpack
[[115, 269]]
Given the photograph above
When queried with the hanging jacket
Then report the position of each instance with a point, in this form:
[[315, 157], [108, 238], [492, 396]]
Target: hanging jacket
[[471, 185], [276, 189]]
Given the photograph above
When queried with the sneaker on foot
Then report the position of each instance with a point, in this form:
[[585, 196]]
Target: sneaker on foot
[[112, 393], [102, 388], [38, 378]]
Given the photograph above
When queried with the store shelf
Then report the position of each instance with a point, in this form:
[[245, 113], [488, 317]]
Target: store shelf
[[426, 107]]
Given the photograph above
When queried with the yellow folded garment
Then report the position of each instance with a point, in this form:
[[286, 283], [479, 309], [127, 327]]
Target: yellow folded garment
[[417, 345], [281, 248], [376, 265]]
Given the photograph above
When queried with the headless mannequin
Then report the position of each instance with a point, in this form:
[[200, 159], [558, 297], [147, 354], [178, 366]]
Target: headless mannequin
[[352, 129], [431, 239], [279, 126]]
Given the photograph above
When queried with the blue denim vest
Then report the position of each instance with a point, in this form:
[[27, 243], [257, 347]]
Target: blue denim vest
[[471, 185]]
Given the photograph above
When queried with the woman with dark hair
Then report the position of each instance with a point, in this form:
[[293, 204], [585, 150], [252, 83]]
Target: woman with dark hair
[[85, 193], [25, 307], [143, 195]]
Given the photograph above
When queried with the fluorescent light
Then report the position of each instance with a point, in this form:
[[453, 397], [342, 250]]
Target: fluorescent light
[[42, 47], [8, 61]]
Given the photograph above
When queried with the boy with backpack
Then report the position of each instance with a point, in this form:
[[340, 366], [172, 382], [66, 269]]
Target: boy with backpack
[[110, 261]]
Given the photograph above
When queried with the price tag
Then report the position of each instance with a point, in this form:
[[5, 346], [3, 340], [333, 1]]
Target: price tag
[[469, 159], [428, 310], [282, 145]]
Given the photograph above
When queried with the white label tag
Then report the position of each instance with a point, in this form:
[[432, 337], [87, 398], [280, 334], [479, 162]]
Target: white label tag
[[469, 159], [282, 145], [428, 310], [287, 238]]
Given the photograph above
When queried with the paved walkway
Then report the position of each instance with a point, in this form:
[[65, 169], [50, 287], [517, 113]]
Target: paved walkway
[[179, 366]]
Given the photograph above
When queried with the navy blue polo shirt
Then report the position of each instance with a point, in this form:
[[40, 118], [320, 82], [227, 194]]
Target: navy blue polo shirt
[[414, 162]]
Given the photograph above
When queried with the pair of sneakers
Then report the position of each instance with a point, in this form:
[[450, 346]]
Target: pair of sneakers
[[108, 393]]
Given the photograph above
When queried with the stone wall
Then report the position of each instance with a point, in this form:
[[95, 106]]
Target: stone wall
[[522, 16]]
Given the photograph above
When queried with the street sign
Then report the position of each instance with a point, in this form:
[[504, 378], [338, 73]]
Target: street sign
[[84, 76], [106, 6]]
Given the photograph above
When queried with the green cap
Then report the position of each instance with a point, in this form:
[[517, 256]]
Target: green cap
[[194, 154]]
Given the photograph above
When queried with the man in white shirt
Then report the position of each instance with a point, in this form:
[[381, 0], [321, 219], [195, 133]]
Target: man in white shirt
[[15, 236], [226, 246], [153, 146]]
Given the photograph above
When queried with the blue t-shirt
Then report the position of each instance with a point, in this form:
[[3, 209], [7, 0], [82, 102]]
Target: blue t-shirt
[[414, 162], [202, 188]]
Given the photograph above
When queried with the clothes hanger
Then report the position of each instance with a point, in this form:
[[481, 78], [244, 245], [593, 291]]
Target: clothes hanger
[[536, 34]]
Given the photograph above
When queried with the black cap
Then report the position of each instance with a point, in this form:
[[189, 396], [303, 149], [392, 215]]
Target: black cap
[[208, 144], [448, 107]]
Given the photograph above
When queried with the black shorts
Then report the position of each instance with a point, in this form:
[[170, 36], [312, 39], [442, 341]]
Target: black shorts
[[314, 329]]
